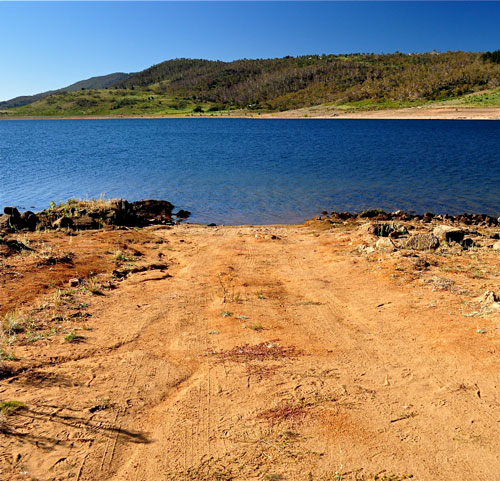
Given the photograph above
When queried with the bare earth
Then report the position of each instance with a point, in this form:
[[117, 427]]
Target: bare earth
[[250, 353]]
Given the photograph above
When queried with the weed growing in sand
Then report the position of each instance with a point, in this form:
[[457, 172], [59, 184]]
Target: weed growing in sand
[[273, 476], [33, 337], [256, 327], [10, 407], [234, 297], [403, 416], [15, 323], [226, 314], [9, 340], [93, 286], [7, 356], [120, 256], [357, 475], [73, 337]]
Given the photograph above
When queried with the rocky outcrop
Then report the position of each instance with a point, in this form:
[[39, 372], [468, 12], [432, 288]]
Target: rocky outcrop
[[377, 214], [12, 220], [93, 214]]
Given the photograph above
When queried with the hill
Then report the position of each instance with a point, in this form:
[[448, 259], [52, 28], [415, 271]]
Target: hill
[[294, 82], [100, 82], [345, 82]]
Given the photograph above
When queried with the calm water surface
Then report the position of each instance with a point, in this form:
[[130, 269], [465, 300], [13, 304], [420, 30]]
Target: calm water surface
[[239, 171]]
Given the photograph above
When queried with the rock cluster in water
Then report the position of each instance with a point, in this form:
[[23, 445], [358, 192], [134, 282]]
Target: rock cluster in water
[[92, 214]]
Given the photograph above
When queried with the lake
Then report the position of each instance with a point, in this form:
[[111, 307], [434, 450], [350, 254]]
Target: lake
[[251, 171]]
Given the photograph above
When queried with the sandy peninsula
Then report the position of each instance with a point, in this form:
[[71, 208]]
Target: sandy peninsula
[[314, 352]]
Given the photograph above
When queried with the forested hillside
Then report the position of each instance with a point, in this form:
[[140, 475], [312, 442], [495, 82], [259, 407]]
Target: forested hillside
[[354, 81], [292, 82]]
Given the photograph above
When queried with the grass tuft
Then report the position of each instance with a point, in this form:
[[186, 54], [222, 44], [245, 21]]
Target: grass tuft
[[10, 407]]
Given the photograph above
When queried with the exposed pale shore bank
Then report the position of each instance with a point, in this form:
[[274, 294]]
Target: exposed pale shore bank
[[422, 113]]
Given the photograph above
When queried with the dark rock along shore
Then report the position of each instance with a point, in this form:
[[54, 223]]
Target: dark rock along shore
[[379, 215], [93, 214]]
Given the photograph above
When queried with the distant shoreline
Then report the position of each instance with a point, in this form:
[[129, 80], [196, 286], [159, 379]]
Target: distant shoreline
[[420, 113]]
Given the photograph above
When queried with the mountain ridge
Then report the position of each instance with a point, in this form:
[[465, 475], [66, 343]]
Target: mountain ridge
[[96, 82]]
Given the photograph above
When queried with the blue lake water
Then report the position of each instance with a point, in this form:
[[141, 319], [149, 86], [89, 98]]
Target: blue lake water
[[239, 171]]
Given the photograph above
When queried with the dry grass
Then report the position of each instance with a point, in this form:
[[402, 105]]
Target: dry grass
[[294, 414], [262, 372], [264, 351]]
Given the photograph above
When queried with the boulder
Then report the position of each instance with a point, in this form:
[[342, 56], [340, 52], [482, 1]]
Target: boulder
[[75, 282], [489, 301], [496, 246], [152, 211], [29, 220], [85, 222], [374, 213], [447, 233], [488, 298], [422, 242], [6, 223], [467, 243], [11, 211], [384, 229], [367, 228], [62, 223], [183, 214], [385, 244], [341, 215]]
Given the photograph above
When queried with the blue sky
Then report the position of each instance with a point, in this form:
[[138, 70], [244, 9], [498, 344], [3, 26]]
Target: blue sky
[[48, 45]]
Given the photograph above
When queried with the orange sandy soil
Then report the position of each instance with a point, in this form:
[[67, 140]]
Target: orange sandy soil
[[348, 363], [320, 112]]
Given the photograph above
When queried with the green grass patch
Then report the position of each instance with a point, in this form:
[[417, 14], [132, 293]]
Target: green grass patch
[[10, 407], [112, 102]]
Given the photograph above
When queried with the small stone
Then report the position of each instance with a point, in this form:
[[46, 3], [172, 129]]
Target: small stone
[[75, 282], [496, 246], [421, 264]]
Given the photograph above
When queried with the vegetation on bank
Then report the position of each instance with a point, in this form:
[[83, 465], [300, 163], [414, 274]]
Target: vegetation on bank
[[108, 102], [343, 82]]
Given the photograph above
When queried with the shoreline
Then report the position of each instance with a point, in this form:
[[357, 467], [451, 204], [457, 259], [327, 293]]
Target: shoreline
[[413, 113]]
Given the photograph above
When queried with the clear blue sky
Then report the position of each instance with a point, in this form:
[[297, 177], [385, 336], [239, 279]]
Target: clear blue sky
[[48, 45]]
